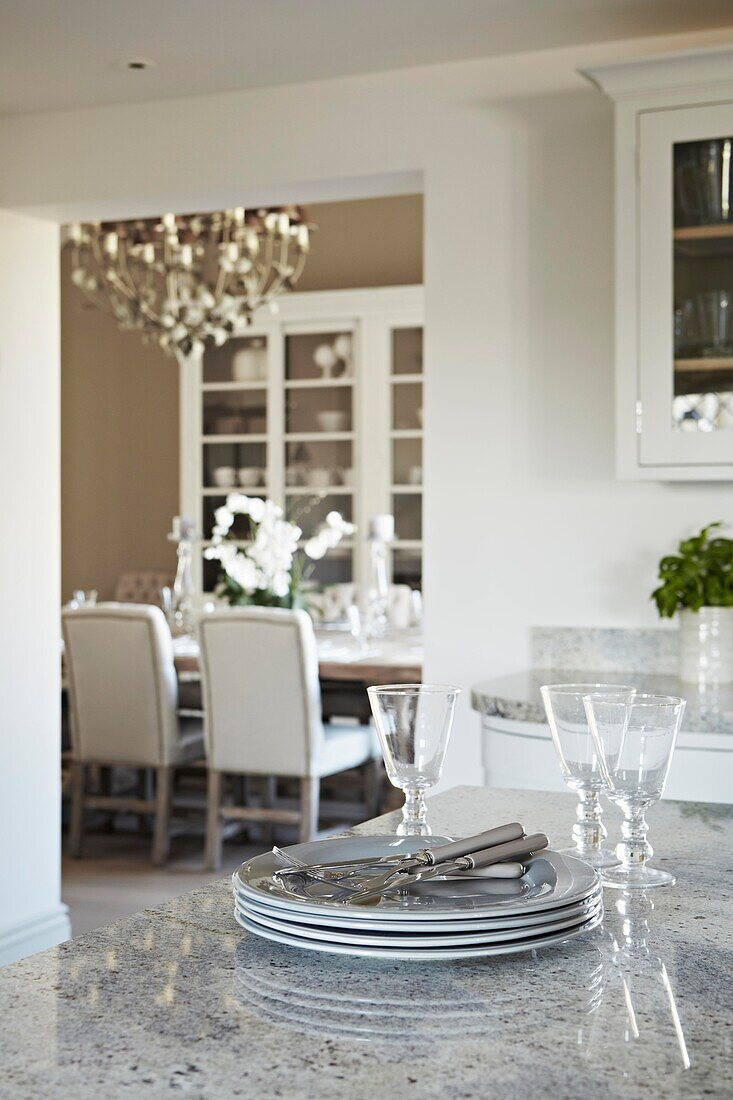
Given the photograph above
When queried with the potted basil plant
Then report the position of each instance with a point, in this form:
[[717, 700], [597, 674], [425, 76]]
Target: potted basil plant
[[697, 582]]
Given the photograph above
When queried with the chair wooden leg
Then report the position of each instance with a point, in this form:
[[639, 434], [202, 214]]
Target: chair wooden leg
[[310, 790], [212, 857], [76, 819], [373, 776], [269, 795], [161, 831]]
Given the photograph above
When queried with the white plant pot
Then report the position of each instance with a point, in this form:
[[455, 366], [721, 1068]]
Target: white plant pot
[[706, 645]]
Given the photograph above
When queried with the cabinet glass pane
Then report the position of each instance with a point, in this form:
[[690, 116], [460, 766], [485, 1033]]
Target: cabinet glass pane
[[324, 409], [309, 512], [241, 359], [315, 355], [407, 510], [407, 567], [240, 529], [234, 465], [235, 412], [336, 568], [407, 351], [407, 406], [703, 285], [407, 462], [318, 463]]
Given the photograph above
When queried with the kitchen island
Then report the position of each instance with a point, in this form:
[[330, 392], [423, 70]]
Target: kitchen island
[[179, 999]]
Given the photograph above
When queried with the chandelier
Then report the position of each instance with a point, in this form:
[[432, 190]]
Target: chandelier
[[183, 280]]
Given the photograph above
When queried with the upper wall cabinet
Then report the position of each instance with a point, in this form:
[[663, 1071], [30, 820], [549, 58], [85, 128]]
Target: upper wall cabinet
[[674, 265]]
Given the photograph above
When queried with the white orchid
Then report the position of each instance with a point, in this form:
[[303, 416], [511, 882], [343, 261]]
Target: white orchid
[[269, 564]]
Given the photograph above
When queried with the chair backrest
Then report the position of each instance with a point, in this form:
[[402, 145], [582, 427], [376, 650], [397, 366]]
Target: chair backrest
[[262, 697], [143, 586], [123, 691]]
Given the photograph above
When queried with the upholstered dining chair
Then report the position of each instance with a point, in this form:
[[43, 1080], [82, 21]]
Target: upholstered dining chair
[[262, 706], [144, 586], [123, 698]]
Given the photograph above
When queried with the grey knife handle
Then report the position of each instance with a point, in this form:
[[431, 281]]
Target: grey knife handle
[[514, 849], [501, 835]]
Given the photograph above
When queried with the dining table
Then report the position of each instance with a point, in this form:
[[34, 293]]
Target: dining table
[[347, 666]]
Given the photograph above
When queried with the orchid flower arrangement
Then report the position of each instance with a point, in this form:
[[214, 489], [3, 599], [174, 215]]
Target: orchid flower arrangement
[[270, 569]]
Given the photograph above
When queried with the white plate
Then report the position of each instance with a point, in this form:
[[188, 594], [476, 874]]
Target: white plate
[[329, 919], [552, 880], [420, 954], [419, 940]]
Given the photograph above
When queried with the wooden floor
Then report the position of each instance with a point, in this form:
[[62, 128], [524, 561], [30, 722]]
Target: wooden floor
[[115, 877]]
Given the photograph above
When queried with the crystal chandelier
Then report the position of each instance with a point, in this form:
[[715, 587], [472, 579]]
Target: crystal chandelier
[[184, 279]]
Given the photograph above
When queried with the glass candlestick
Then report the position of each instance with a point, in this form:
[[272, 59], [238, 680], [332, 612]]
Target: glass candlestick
[[181, 616]]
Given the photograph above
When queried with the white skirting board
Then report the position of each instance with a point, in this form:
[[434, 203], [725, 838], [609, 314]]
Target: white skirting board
[[28, 936]]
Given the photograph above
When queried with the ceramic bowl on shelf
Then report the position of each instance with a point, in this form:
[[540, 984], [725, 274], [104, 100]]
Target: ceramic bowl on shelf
[[293, 475], [249, 476], [414, 475], [332, 420], [346, 474], [224, 477], [318, 476]]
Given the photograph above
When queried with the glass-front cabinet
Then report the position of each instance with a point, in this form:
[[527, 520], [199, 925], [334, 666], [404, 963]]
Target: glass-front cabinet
[[320, 409], [674, 255]]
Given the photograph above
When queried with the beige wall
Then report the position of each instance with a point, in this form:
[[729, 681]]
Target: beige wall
[[119, 407]]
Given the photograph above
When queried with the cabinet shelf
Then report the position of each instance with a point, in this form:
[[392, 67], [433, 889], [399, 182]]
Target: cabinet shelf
[[405, 488], [703, 232], [317, 383], [400, 379], [315, 491], [211, 387], [406, 433], [314, 437], [261, 438], [702, 366], [248, 490]]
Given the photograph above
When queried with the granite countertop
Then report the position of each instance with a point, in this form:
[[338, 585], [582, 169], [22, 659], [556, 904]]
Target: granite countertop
[[179, 999], [517, 697]]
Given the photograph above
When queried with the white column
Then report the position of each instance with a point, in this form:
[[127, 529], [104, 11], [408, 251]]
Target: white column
[[31, 915]]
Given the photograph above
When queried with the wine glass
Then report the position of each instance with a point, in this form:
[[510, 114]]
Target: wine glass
[[579, 763], [413, 724], [634, 739]]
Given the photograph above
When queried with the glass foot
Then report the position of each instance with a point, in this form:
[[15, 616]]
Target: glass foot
[[597, 857], [636, 878]]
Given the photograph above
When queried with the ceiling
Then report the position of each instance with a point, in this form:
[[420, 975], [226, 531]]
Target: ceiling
[[56, 55]]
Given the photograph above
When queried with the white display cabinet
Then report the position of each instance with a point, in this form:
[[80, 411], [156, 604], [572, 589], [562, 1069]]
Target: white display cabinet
[[674, 265], [318, 407]]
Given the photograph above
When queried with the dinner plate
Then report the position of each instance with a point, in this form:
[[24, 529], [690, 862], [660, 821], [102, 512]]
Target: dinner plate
[[421, 939], [552, 880], [327, 918], [423, 954]]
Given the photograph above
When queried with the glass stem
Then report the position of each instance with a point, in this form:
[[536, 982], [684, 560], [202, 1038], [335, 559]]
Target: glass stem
[[634, 850], [414, 815], [588, 830]]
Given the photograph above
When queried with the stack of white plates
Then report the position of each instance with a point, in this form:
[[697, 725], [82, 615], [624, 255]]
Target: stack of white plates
[[559, 897]]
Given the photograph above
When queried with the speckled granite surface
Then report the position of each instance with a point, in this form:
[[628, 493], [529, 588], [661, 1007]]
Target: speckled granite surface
[[709, 710], [179, 1000], [654, 649]]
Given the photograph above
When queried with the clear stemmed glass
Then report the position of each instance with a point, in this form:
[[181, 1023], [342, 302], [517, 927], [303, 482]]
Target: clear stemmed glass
[[413, 723], [634, 739], [579, 762]]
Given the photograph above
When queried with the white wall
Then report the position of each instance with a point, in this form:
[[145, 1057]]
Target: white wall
[[31, 916], [524, 522]]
